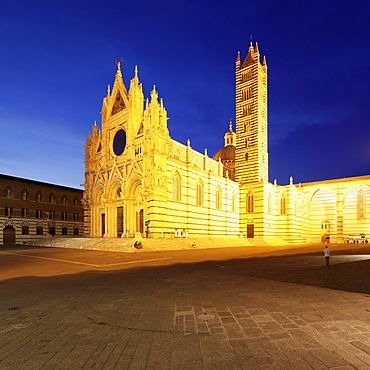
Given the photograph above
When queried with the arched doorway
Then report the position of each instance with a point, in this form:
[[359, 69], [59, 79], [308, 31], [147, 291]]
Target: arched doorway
[[102, 224], [323, 215], [119, 221], [135, 209], [325, 232], [9, 235], [356, 210], [250, 228], [140, 221], [250, 231]]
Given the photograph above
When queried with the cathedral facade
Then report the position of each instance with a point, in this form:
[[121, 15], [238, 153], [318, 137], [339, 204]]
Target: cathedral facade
[[139, 182]]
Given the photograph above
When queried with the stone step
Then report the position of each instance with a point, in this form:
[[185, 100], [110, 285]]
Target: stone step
[[148, 244]]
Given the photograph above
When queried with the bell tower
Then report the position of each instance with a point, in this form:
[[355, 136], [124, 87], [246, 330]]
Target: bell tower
[[251, 156]]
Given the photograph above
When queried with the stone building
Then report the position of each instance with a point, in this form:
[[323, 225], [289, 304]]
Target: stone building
[[141, 182], [31, 210]]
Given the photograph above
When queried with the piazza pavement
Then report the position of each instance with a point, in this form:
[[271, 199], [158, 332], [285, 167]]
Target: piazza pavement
[[257, 307]]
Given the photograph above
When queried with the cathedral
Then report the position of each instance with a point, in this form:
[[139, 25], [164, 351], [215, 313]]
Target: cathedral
[[141, 183]]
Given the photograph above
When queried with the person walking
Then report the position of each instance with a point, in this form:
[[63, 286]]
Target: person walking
[[327, 253]]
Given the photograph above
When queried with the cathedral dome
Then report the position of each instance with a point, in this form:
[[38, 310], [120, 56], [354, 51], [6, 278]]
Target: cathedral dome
[[227, 153]]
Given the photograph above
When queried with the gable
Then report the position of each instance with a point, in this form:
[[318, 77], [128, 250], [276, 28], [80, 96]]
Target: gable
[[119, 104]]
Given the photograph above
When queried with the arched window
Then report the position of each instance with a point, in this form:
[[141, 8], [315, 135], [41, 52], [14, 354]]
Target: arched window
[[24, 194], [246, 157], [247, 110], [283, 205], [52, 198], [200, 193], [247, 93], [64, 200], [247, 126], [8, 211], [295, 205], [39, 196], [176, 187], [218, 198], [361, 205], [8, 192], [269, 204], [176, 155], [250, 202], [302, 207], [233, 202], [247, 76]]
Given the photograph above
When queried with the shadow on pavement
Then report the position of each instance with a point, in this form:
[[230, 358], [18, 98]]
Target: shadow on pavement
[[347, 272]]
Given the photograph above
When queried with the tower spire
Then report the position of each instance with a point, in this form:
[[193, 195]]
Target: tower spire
[[249, 59], [264, 63], [237, 62], [251, 154], [154, 95], [256, 49]]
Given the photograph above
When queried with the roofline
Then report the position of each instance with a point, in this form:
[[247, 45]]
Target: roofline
[[344, 179], [8, 177]]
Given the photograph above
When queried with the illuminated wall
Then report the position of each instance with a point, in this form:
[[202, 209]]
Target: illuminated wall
[[139, 181]]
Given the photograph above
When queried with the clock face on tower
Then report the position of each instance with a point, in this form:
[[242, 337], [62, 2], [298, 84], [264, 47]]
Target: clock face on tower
[[119, 142]]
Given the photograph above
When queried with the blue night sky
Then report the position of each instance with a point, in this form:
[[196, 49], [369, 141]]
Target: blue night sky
[[57, 58]]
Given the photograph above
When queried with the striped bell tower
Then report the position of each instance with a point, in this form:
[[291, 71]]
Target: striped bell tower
[[251, 156]]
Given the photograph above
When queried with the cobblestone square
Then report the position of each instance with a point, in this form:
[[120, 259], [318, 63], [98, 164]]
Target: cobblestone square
[[225, 308]]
